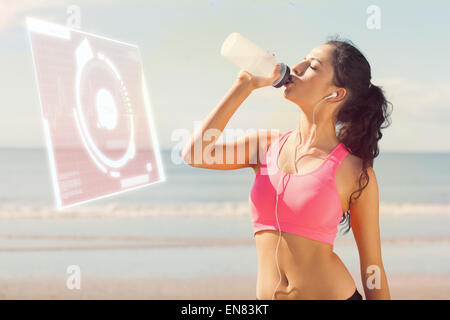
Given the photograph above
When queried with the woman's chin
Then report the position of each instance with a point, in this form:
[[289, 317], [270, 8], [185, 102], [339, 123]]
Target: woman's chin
[[287, 97], [286, 92]]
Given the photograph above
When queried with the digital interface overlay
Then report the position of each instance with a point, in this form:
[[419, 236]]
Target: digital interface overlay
[[96, 111]]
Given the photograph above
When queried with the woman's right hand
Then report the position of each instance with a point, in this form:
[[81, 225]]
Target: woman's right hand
[[256, 81]]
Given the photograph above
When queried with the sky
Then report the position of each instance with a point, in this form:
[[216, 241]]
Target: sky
[[187, 76]]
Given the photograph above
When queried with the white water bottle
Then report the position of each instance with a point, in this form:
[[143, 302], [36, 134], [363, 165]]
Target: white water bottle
[[252, 58]]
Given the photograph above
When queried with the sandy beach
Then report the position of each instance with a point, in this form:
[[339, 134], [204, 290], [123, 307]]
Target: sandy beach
[[151, 256], [423, 287]]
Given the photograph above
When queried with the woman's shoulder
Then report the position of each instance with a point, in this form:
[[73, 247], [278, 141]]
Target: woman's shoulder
[[352, 167], [352, 163]]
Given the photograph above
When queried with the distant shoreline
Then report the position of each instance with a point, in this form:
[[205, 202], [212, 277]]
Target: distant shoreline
[[191, 209]]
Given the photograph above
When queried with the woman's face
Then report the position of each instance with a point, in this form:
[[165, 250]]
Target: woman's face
[[312, 78]]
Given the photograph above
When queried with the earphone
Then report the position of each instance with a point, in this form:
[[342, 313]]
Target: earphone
[[333, 95]]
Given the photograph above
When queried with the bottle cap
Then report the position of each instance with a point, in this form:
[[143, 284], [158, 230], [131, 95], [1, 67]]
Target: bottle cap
[[285, 73]]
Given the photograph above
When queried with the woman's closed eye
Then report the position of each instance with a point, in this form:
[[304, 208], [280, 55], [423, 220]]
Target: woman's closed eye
[[310, 64]]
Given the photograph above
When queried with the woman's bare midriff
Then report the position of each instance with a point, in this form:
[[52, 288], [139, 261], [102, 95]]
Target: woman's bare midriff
[[309, 269]]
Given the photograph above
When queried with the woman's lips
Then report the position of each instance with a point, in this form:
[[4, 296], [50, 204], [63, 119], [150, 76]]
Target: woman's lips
[[289, 81]]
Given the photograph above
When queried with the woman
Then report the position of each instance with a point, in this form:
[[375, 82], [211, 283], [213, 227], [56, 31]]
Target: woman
[[318, 175]]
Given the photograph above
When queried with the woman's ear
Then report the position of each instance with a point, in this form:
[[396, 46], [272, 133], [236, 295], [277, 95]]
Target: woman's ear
[[341, 92]]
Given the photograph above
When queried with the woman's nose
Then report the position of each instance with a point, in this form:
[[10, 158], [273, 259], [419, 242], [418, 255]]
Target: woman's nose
[[300, 68], [297, 72]]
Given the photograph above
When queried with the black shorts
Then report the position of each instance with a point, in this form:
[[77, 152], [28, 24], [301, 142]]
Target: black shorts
[[356, 296]]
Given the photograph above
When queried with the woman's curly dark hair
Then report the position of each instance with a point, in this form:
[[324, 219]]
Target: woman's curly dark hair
[[363, 112]]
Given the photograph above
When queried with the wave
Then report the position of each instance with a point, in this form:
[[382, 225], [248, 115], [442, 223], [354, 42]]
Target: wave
[[218, 209]]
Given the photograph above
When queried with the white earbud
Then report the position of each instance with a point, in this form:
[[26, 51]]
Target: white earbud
[[333, 95]]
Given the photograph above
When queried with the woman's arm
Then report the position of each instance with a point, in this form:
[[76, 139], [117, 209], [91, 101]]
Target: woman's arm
[[203, 151], [364, 218]]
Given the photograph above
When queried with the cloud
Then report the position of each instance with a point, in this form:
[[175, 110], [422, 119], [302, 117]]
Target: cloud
[[12, 10], [421, 113], [418, 101]]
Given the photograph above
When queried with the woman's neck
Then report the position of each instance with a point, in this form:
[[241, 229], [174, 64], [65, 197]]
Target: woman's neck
[[324, 137]]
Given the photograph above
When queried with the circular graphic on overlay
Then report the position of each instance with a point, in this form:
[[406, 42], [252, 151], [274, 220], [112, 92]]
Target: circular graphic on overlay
[[103, 111]]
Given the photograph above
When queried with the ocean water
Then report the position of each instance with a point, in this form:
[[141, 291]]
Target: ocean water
[[409, 178], [197, 222]]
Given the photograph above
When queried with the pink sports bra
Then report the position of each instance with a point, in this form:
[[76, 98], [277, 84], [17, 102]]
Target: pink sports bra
[[308, 204]]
